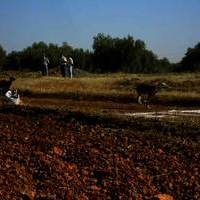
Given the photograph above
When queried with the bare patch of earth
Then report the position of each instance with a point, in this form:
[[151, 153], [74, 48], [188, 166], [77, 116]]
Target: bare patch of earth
[[110, 107]]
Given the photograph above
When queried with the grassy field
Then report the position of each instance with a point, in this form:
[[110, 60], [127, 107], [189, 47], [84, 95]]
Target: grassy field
[[72, 140], [185, 86]]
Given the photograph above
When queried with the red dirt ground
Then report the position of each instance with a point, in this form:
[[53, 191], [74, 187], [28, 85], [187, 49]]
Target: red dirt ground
[[49, 154]]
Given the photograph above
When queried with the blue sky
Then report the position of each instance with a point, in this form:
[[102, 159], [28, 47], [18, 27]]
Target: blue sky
[[168, 27]]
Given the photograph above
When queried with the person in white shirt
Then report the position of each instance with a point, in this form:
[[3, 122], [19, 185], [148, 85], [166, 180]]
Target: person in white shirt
[[63, 66], [45, 68], [12, 97], [71, 65]]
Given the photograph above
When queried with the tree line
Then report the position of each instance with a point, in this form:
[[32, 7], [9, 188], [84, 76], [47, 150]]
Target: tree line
[[108, 54]]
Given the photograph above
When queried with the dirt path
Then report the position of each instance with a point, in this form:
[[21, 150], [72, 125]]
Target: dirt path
[[128, 109], [166, 114]]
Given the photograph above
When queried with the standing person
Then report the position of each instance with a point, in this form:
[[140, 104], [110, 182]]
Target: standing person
[[45, 68], [71, 65], [63, 66]]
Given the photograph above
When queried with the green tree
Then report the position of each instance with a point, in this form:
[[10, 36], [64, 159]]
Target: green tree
[[82, 59], [124, 54], [2, 57], [191, 60], [31, 57], [66, 49], [53, 53], [102, 46], [109, 55], [13, 61]]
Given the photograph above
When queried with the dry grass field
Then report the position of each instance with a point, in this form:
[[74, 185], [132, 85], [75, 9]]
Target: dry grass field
[[184, 89]]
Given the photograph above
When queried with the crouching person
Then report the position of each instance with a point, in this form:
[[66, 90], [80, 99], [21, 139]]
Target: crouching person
[[12, 98]]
